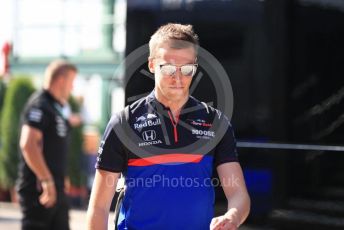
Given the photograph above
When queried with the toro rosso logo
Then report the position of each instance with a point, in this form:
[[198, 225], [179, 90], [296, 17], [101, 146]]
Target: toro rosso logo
[[200, 122]]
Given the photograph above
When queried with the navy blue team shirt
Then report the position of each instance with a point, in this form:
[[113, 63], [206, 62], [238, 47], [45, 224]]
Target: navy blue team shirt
[[168, 189]]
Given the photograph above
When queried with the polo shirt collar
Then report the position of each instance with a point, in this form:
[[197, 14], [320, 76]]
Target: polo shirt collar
[[153, 101], [51, 97]]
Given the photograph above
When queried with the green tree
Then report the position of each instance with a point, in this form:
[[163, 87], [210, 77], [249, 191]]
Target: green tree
[[2, 96], [76, 173], [17, 94]]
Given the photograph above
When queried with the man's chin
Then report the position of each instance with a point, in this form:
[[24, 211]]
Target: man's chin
[[176, 95]]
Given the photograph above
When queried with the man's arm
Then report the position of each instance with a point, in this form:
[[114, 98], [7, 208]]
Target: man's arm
[[233, 184], [31, 141], [103, 191]]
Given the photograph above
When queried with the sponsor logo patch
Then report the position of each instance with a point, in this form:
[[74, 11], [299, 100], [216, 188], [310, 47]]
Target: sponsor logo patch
[[61, 128], [149, 137], [100, 150], [147, 123], [150, 143], [35, 115], [200, 122], [146, 117], [205, 134]]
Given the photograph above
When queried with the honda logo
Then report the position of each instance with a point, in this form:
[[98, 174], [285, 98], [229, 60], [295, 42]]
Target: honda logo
[[149, 135]]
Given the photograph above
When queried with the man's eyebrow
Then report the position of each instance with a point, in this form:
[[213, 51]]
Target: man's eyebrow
[[167, 63]]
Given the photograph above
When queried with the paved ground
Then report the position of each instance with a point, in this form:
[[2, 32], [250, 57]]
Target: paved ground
[[10, 218]]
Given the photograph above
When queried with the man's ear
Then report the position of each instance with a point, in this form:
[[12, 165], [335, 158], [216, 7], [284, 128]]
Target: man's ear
[[151, 64]]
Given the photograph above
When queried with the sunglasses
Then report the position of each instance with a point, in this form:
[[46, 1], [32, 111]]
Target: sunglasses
[[186, 70]]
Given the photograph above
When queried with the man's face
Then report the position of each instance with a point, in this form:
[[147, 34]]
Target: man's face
[[66, 84], [176, 87]]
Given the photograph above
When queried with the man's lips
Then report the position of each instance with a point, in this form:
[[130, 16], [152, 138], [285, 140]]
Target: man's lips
[[176, 87]]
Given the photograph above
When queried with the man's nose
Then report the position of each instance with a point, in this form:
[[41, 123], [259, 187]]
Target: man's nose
[[178, 75]]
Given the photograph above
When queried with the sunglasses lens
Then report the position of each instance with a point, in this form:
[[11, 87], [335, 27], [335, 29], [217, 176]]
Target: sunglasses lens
[[168, 70], [188, 70]]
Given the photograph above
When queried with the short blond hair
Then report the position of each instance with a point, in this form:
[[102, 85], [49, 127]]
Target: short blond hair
[[56, 69], [179, 36]]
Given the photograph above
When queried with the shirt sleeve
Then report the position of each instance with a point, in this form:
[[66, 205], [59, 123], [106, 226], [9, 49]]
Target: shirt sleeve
[[226, 150], [36, 117], [111, 153]]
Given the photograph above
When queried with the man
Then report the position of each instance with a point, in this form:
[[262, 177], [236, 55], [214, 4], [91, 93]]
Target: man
[[44, 142], [168, 189]]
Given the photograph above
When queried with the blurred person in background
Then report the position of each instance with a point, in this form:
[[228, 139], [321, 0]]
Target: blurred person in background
[[44, 145]]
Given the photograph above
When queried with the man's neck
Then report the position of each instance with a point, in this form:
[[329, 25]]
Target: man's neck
[[174, 105], [55, 93]]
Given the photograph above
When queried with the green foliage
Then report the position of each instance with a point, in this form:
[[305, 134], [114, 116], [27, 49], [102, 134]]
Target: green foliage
[[76, 172], [17, 94], [2, 92], [2, 96]]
